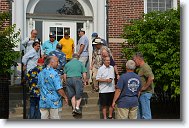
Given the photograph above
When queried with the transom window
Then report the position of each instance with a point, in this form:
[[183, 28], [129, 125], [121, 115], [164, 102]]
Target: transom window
[[63, 7], [159, 5]]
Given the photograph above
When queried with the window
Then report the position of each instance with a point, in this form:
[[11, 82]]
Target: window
[[59, 32], [159, 5], [63, 7]]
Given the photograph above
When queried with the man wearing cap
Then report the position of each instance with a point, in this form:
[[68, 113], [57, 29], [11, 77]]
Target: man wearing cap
[[97, 60], [67, 45], [82, 47], [61, 57], [32, 79], [49, 45], [95, 36]]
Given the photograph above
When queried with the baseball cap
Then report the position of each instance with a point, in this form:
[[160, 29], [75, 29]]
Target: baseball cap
[[97, 41], [94, 34], [66, 32], [82, 30], [51, 34]]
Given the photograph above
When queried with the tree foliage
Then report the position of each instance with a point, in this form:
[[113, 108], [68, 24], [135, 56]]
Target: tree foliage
[[8, 41], [157, 36]]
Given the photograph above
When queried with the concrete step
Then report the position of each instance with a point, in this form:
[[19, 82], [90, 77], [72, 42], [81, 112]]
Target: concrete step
[[15, 117], [17, 89], [94, 115], [15, 103], [85, 108]]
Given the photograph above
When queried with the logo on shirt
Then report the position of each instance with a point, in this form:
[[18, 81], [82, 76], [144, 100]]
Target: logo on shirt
[[133, 84]]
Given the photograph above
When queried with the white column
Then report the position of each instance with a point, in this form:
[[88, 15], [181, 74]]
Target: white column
[[101, 18], [19, 18]]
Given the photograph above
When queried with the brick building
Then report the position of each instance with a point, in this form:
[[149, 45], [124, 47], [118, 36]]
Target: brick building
[[106, 17]]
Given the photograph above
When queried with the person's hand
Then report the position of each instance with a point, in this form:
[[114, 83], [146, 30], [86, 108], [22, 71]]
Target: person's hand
[[24, 68], [91, 67], [109, 80], [66, 100], [118, 76], [139, 93], [113, 105]]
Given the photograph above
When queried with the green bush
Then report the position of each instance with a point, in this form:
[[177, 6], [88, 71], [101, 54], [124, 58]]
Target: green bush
[[157, 36], [8, 41]]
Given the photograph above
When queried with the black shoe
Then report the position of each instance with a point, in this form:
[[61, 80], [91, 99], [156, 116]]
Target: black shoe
[[73, 112], [110, 118], [78, 111]]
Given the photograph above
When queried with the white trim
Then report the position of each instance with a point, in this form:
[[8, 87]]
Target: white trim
[[145, 6], [116, 40], [173, 1]]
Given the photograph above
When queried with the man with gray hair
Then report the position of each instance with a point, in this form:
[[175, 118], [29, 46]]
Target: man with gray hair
[[126, 94], [147, 89]]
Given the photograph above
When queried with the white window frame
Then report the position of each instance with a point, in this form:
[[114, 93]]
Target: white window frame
[[174, 5]]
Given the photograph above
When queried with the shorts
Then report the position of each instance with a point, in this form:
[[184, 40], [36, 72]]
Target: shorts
[[106, 99], [74, 87]]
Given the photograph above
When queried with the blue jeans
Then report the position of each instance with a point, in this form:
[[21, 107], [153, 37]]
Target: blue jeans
[[144, 111], [34, 108]]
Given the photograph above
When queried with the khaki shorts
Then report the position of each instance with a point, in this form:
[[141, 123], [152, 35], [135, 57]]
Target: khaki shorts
[[50, 113], [126, 113]]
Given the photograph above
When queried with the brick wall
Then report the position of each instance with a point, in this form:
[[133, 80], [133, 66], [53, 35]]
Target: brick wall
[[4, 5], [120, 13]]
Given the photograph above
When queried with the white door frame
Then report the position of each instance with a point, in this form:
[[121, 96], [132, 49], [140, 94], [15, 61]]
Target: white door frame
[[71, 25]]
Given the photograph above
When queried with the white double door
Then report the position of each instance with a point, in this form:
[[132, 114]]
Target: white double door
[[58, 28]]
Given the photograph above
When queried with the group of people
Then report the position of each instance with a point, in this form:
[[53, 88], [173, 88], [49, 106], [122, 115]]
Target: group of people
[[52, 65]]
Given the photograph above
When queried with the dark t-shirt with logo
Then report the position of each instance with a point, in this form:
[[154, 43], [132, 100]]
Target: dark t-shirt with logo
[[129, 84]]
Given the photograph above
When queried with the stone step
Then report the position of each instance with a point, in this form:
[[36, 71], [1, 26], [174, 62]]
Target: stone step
[[17, 96], [85, 108], [94, 115], [17, 89], [15, 103], [15, 116], [84, 101], [18, 110]]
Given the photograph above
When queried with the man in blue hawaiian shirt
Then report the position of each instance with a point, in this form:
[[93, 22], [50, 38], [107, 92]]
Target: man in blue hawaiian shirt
[[32, 79], [61, 57], [51, 90]]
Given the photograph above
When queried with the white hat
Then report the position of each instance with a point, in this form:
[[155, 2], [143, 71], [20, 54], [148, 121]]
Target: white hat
[[97, 41], [82, 30]]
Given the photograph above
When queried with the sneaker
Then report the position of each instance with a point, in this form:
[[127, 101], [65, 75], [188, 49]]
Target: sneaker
[[110, 118], [78, 111], [73, 112]]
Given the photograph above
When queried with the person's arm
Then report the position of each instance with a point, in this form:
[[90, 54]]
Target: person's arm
[[73, 47], [26, 57], [147, 84], [84, 78], [25, 41], [116, 96], [63, 94], [64, 77], [116, 71], [100, 79], [81, 49]]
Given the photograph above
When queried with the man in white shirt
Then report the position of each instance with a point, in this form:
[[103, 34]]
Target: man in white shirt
[[105, 77], [27, 43], [30, 58]]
